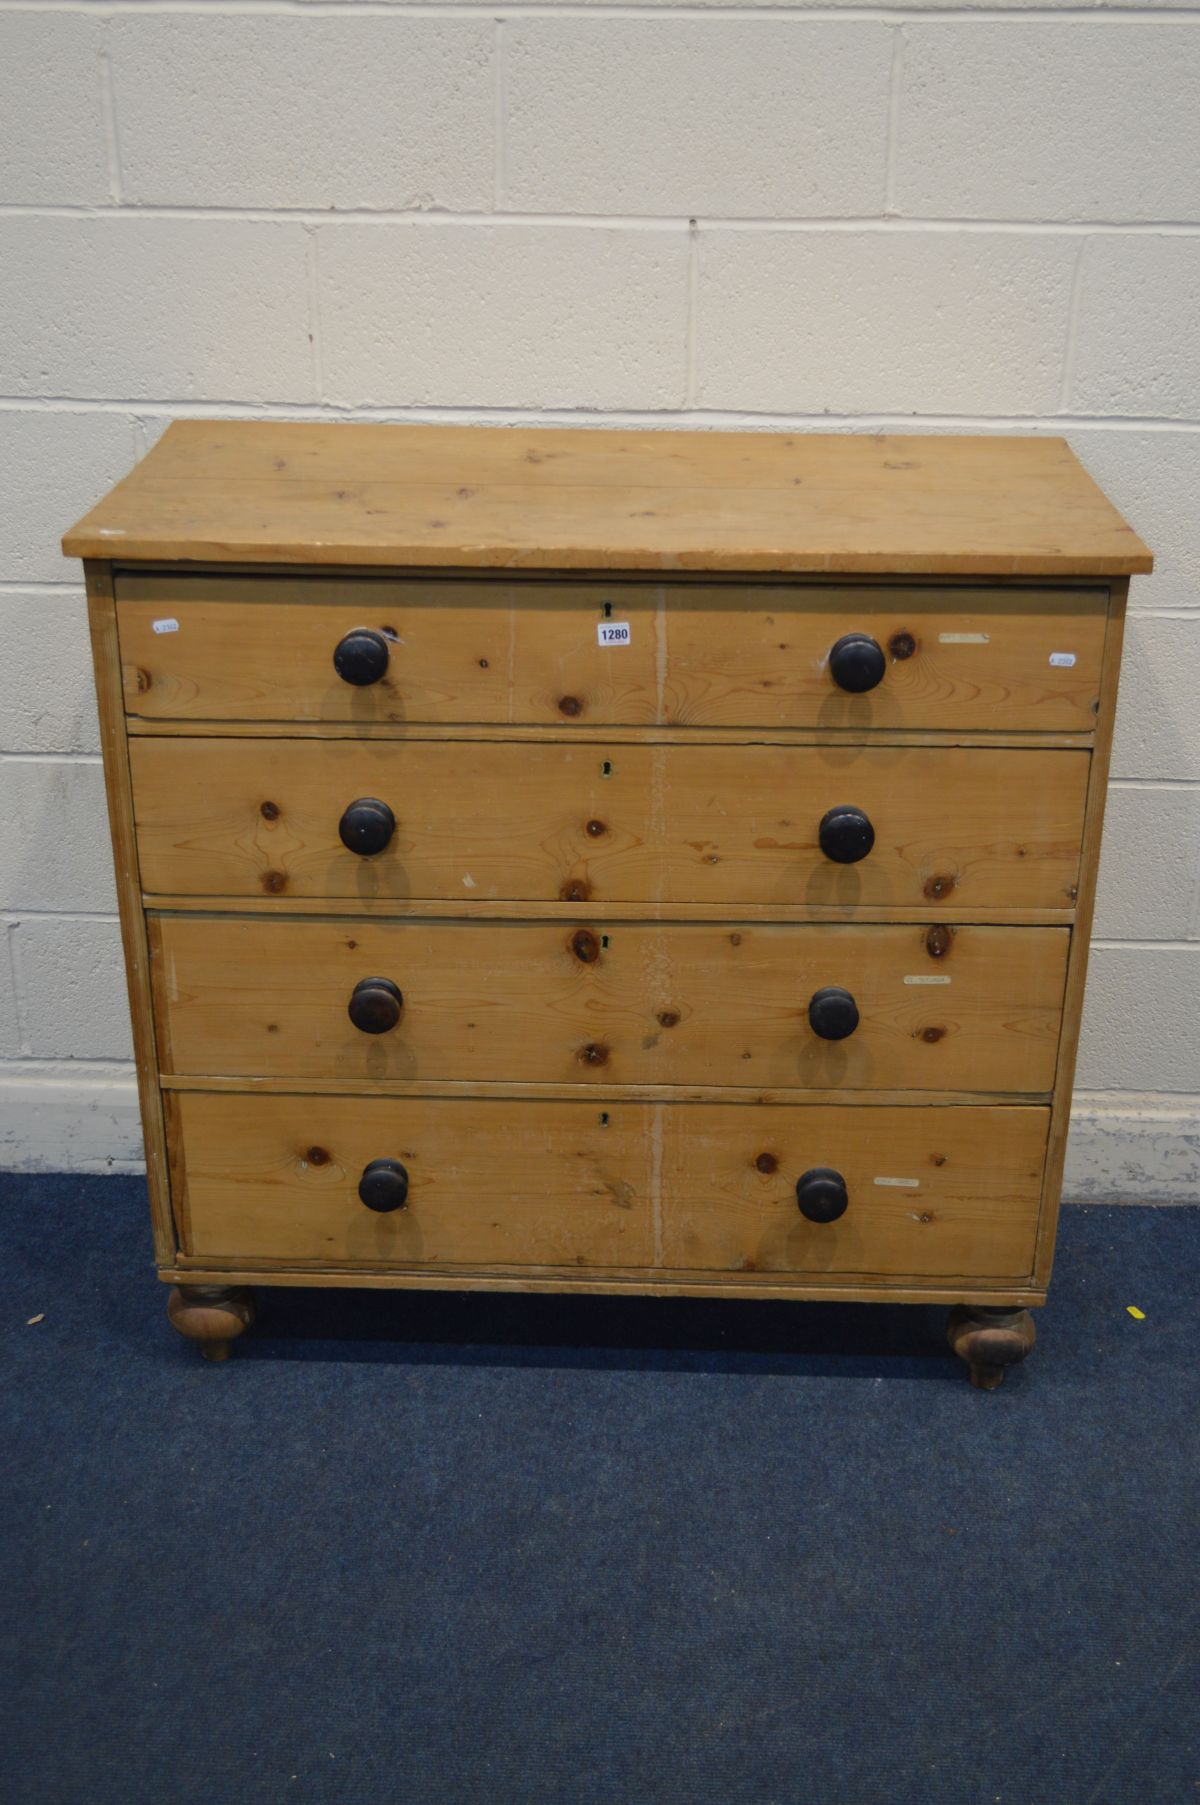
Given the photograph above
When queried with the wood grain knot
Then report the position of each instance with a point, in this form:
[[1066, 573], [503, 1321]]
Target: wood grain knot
[[668, 1018], [932, 1034], [766, 1162], [574, 890], [585, 946], [938, 941], [939, 886], [269, 811], [901, 646], [142, 679], [570, 706], [595, 1053], [273, 882], [596, 828], [317, 1156]]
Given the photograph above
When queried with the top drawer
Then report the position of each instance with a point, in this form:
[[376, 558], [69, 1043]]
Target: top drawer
[[198, 646]]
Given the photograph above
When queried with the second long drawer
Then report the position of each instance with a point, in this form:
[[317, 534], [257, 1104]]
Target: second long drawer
[[861, 1007], [840, 825]]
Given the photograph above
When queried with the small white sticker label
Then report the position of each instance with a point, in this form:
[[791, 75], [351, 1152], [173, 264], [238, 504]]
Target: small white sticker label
[[900, 1184], [612, 633], [1062, 661], [922, 979], [166, 626], [964, 639]]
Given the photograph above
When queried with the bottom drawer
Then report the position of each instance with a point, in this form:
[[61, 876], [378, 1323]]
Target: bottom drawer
[[950, 1192]]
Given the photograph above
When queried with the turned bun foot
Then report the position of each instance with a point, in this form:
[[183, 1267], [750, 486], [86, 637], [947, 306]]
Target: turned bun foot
[[989, 1340], [212, 1315]]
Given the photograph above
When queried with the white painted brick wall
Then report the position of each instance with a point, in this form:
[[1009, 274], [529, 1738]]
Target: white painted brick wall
[[1154, 477], [51, 853], [1148, 867], [1144, 1036], [892, 322], [72, 982], [154, 308], [1137, 350], [53, 463], [237, 111], [52, 136], [10, 1027], [1156, 716], [1108, 114], [47, 696], [795, 214], [736, 117], [477, 315]]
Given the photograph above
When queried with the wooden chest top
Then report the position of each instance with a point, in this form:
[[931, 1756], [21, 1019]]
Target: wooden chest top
[[511, 498]]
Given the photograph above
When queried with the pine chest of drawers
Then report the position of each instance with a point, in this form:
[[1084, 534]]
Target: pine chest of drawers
[[600, 861]]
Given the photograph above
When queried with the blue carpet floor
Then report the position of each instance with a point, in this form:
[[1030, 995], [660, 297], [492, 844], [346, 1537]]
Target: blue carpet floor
[[439, 1550]]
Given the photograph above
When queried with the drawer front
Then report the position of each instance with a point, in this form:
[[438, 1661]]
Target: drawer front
[[929, 1192], [936, 1008], [505, 1184], [261, 648], [662, 823], [936, 1192]]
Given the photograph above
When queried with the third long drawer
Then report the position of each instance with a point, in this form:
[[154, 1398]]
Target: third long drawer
[[842, 825], [867, 1006]]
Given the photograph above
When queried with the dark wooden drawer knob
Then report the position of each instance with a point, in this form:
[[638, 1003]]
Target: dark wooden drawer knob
[[361, 657], [375, 1005], [845, 835], [821, 1194], [832, 1013], [857, 663], [367, 826], [384, 1186]]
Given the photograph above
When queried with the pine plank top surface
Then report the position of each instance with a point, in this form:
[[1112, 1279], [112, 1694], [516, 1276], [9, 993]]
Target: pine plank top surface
[[519, 498]]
